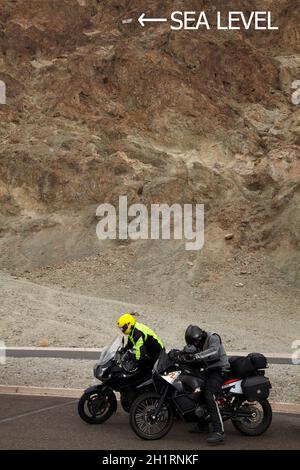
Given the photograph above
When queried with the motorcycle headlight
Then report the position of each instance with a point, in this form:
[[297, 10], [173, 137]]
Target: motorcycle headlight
[[96, 370], [99, 371]]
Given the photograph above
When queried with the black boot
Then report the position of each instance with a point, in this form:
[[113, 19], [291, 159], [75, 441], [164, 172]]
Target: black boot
[[216, 438]]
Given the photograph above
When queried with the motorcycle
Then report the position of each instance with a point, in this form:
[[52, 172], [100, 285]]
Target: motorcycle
[[116, 373], [179, 391]]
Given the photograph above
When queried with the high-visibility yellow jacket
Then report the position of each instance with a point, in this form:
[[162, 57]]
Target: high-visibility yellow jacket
[[144, 341]]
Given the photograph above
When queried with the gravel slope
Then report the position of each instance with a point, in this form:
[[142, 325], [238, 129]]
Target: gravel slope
[[254, 317]]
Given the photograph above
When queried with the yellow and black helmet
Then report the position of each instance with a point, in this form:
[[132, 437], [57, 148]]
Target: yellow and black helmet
[[126, 322]]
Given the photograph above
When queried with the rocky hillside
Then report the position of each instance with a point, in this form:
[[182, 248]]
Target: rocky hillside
[[97, 108]]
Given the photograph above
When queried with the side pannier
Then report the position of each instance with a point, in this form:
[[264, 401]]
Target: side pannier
[[256, 388]]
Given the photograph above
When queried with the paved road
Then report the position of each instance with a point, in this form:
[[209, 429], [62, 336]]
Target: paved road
[[52, 423]]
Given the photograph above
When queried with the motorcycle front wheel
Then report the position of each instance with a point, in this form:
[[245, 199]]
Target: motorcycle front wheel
[[96, 407], [259, 420], [143, 418]]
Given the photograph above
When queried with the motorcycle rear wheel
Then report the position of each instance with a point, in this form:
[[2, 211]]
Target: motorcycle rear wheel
[[141, 419], [259, 422], [96, 407]]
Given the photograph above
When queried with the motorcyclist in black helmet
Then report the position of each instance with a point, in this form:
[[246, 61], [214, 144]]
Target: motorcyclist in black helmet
[[207, 349]]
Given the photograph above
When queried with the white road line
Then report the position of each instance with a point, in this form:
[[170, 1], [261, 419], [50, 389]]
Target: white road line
[[40, 410]]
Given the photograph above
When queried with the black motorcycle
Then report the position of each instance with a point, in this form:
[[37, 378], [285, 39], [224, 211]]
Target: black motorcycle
[[179, 391], [117, 372]]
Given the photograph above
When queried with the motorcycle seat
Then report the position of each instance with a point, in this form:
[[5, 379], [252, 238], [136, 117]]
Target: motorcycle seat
[[192, 382], [230, 376]]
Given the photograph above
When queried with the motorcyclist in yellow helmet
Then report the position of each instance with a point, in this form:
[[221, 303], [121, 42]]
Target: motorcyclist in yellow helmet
[[145, 344]]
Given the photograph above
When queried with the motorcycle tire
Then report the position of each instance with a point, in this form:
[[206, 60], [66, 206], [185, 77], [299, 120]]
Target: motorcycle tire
[[140, 417], [248, 428], [96, 407]]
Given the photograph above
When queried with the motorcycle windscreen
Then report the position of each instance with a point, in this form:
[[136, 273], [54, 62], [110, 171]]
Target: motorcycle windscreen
[[109, 351], [163, 362]]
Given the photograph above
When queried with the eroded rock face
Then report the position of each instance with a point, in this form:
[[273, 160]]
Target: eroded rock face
[[96, 109]]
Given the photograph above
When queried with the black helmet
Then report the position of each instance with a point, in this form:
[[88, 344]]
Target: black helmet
[[195, 336]]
